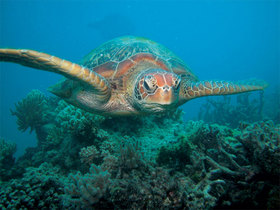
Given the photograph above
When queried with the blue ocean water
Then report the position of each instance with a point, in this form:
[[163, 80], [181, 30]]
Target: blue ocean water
[[228, 40]]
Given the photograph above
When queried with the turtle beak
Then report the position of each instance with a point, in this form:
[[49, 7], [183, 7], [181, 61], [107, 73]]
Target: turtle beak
[[164, 96], [167, 95]]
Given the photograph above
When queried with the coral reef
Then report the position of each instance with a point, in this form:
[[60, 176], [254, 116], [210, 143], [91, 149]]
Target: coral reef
[[261, 141], [74, 120], [88, 189], [89, 154], [132, 181], [131, 157], [149, 162], [7, 150], [40, 188], [272, 105], [33, 112], [225, 112], [176, 155]]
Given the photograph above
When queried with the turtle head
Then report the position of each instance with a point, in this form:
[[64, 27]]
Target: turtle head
[[157, 90]]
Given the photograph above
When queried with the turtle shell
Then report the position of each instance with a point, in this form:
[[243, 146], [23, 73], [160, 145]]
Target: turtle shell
[[116, 59]]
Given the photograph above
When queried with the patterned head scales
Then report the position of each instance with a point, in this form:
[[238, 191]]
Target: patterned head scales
[[157, 87]]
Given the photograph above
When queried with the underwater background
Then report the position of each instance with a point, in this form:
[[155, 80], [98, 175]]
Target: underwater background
[[214, 152]]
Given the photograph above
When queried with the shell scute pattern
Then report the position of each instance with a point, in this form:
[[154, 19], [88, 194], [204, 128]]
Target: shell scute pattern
[[129, 50], [102, 54], [113, 59]]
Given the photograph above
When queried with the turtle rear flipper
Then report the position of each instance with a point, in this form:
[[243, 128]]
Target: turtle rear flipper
[[212, 88], [66, 68]]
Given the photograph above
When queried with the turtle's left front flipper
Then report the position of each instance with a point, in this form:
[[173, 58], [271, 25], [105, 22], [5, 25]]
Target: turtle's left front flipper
[[54, 64], [212, 88]]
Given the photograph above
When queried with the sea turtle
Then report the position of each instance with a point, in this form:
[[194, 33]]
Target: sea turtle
[[125, 76]]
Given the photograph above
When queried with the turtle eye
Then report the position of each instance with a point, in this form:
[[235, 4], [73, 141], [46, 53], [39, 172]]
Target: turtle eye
[[150, 84], [176, 82]]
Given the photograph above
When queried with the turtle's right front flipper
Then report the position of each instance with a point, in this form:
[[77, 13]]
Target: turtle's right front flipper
[[66, 68]]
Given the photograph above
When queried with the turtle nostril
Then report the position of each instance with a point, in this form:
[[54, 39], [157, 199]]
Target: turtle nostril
[[165, 88]]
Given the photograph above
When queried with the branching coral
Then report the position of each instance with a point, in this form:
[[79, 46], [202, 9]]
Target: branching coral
[[154, 188], [74, 120], [86, 190], [54, 138], [262, 143], [7, 150], [40, 188], [224, 164], [199, 157], [131, 156], [133, 183], [199, 166], [272, 105], [177, 155], [226, 112], [88, 154]]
